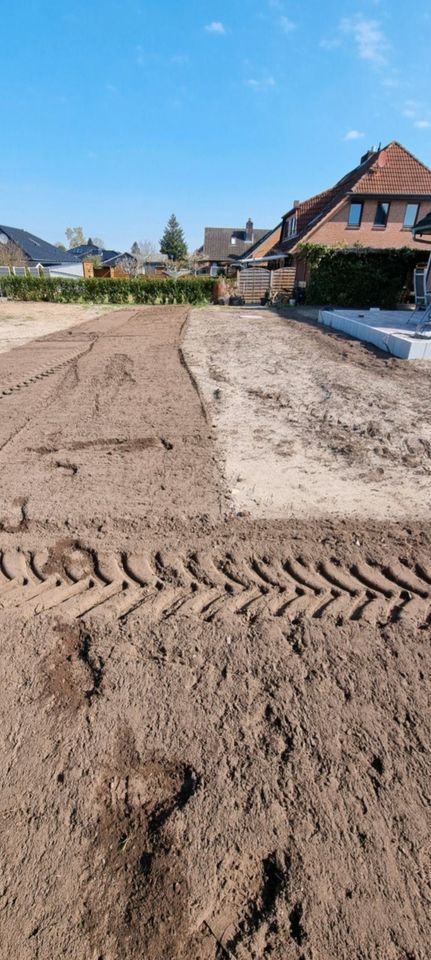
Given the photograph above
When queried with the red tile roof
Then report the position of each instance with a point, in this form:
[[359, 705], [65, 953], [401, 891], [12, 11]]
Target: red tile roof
[[392, 171], [395, 172]]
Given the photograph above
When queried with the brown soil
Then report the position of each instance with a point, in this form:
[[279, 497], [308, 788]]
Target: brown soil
[[215, 729]]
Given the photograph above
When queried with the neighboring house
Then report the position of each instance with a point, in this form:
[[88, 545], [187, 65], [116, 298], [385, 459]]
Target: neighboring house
[[154, 264], [108, 258], [375, 206], [37, 252], [223, 245]]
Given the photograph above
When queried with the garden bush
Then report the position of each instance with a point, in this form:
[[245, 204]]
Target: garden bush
[[359, 278], [133, 290]]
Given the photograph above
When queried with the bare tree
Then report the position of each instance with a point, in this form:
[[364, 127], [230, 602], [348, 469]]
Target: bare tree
[[75, 236], [128, 266], [11, 255], [144, 251], [96, 242]]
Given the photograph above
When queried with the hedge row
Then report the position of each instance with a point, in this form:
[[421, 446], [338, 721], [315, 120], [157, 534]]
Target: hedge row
[[194, 290], [360, 278]]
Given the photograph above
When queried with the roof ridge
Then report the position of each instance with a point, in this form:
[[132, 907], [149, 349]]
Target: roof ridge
[[332, 190], [396, 143]]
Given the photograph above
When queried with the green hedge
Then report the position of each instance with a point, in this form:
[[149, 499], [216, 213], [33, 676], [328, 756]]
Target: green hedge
[[359, 278], [192, 290]]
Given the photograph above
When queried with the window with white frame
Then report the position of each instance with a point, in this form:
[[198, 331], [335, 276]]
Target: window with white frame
[[290, 227]]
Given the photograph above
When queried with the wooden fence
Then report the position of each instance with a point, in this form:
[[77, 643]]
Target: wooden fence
[[255, 283]]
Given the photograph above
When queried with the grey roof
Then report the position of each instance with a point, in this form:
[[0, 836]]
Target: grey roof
[[84, 250], [106, 256], [111, 256], [218, 246], [35, 249]]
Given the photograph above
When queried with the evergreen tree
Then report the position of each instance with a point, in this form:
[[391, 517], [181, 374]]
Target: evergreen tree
[[173, 243]]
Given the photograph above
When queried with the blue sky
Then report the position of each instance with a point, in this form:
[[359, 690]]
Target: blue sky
[[116, 114]]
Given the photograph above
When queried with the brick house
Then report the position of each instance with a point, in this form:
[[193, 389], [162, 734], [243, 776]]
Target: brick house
[[375, 206]]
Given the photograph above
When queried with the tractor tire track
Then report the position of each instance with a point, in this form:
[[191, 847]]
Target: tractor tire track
[[208, 587], [12, 384]]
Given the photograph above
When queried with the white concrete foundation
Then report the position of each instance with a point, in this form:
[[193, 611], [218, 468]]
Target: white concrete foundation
[[391, 330]]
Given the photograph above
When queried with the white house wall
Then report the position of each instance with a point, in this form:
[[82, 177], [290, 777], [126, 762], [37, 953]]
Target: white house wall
[[72, 270]]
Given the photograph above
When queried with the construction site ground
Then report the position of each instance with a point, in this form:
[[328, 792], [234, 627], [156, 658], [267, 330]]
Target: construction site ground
[[215, 611]]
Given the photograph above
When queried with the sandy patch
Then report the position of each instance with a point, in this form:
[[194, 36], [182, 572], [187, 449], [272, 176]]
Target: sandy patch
[[311, 423], [24, 321]]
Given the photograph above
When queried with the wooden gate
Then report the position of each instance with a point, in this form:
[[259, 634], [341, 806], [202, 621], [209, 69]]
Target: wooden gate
[[283, 279], [254, 283], [257, 282]]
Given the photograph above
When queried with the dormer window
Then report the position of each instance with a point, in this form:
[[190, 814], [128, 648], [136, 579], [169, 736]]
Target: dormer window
[[290, 228], [233, 241]]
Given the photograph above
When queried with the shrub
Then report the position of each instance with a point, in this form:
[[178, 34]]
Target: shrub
[[132, 290], [359, 278]]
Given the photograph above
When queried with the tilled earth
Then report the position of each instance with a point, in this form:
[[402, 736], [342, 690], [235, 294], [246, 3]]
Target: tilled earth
[[215, 731]]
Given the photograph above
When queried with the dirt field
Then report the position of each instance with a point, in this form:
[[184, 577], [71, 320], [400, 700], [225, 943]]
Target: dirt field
[[215, 725], [21, 322], [312, 423]]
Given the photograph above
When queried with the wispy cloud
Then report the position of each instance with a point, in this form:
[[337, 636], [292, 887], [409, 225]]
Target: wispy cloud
[[354, 135], [416, 111], [370, 40], [411, 109], [215, 27], [331, 43], [264, 84], [287, 25], [369, 37], [180, 59], [392, 81]]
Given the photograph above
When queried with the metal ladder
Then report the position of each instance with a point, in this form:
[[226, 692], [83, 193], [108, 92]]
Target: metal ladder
[[423, 326]]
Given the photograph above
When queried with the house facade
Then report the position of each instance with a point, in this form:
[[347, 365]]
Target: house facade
[[375, 206]]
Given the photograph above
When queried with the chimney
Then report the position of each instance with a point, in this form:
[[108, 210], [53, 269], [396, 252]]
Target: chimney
[[370, 153], [249, 234], [296, 204]]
